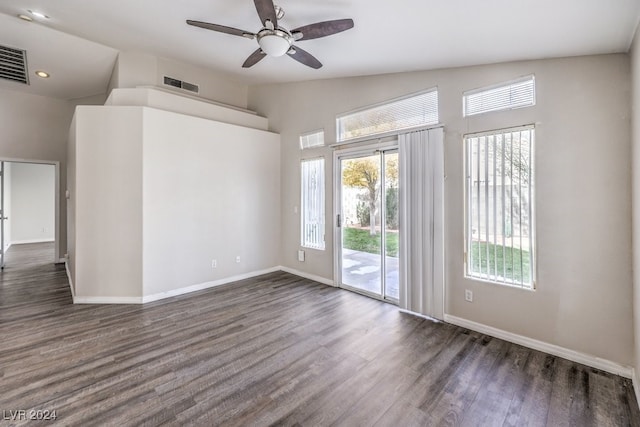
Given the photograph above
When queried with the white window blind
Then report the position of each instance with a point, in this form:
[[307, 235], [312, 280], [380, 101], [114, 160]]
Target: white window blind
[[504, 96], [405, 113], [499, 207], [312, 204], [312, 139]]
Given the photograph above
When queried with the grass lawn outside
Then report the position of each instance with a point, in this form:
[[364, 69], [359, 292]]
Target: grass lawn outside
[[512, 263], [358, 239]]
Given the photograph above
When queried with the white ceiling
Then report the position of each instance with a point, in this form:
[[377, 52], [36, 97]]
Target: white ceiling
[[78, 44]]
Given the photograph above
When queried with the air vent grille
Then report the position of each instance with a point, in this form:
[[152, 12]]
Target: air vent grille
[[170, 81], [13, 65]]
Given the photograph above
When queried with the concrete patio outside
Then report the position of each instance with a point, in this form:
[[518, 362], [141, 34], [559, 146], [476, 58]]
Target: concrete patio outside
[[362, 270]]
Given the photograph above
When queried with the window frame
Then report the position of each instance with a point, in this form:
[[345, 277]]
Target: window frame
[[532, 211], [322, 211]]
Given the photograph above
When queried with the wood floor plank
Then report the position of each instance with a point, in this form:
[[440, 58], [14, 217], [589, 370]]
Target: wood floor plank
[[274, 350]]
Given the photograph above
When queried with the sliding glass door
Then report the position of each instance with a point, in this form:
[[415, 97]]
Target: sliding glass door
[[368, 223]]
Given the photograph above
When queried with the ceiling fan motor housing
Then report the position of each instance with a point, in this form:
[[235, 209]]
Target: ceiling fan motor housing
[[274, 42]]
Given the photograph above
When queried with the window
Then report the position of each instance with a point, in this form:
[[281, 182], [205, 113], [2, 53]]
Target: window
[[499, 207], [312, 201], [404, 113], [312, 139], [504, 96]]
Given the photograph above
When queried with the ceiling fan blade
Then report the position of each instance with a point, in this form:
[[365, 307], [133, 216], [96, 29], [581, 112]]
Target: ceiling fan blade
[[254, 58], [266, 11], [322, 29], [221, 29], [304, 57]]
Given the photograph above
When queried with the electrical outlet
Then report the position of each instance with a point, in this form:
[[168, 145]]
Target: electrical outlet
[[214, 263], [468, 295], [238, 258], [301, 256]]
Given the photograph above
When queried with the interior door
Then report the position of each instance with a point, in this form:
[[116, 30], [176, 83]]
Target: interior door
[[368, 223]]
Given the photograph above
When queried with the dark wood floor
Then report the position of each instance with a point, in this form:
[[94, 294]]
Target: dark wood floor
[[280, 350]]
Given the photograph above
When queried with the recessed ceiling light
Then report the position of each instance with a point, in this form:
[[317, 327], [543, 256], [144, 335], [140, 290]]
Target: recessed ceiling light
[[25, 17], [42, 74], [38, 14]]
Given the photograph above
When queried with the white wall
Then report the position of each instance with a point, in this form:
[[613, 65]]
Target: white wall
[[32, 202], [211, 191], [69, 192], [158, 195], [7, 205], [635, 124], [583, 299], [36, 128], [136, 69], [107, 201]]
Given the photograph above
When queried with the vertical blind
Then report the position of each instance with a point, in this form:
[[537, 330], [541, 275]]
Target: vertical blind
[[400, 114], [499, 207], [312, 209], [504, 96]]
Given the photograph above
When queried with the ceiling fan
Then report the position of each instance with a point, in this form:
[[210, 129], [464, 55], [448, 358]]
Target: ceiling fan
[[277, 41]]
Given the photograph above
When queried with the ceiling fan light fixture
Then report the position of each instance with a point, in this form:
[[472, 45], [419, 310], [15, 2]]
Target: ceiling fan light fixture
[[274, 42]]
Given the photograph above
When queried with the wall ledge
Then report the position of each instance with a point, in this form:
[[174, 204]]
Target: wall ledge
[[555, 350]]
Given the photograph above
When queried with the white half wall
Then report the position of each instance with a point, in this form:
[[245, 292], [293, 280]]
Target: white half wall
[[107, 252], [32, 202], [156, 196], [210, 191]]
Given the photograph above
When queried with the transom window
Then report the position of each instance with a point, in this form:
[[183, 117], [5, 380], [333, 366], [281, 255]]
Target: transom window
[[500, 238], [312, 139], [400, 114], [503, 96]]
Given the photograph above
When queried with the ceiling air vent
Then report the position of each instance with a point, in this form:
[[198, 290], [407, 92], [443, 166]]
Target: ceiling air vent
[[170, 81], [13, 65]]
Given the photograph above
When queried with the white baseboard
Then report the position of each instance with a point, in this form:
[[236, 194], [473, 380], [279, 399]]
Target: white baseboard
[[413, 313], [206, 285], [575, 356], [307, 275], [22, 242], [107, 300], [73, 292], [189, 289], [636, 384]]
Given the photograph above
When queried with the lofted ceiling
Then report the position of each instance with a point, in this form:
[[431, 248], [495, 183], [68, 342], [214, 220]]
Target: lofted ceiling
[[79, 42]]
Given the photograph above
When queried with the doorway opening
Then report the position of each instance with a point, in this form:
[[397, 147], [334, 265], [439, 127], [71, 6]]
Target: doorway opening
[[367, 233], [28, 214]]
